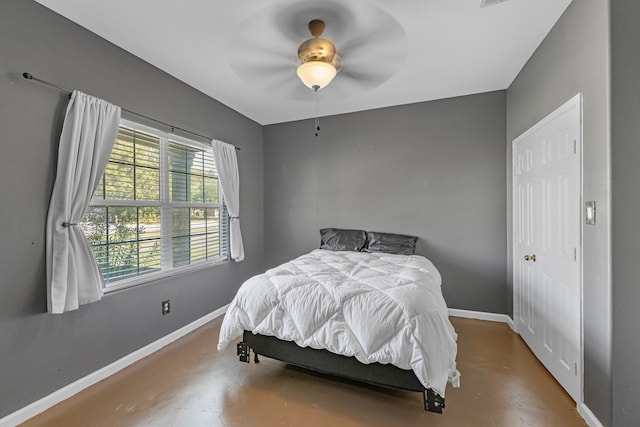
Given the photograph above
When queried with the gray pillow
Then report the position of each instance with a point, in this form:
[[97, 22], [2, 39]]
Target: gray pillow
[[390, 243], [337, 239]]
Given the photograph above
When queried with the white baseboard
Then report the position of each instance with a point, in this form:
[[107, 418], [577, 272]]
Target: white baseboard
[[481, 315], [588, 416], [583, 410], [66, 392]]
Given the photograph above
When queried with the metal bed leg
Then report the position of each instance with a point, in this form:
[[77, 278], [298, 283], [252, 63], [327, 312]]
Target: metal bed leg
[[433, 402], [243, 351]]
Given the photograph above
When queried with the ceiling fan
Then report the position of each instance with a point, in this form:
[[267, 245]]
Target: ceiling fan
[[319, 58], [363, 47]]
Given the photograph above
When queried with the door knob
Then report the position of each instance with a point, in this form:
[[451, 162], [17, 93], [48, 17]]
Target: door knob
[[530, 258]]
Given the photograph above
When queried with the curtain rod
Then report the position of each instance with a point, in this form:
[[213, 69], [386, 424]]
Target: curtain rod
[[64, 89]]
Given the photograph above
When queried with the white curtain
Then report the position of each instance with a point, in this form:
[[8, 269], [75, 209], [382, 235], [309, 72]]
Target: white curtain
[[227, 165], [88, 134]]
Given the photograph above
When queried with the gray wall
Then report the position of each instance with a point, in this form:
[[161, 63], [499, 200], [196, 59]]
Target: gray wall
[[434, 170], [574, 58], [40, 353], [625, 148]]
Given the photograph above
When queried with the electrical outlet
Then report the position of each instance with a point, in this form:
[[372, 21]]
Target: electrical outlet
[[166, 307]]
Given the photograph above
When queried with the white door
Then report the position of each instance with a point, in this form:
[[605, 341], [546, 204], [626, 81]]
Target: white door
[[547, 243]]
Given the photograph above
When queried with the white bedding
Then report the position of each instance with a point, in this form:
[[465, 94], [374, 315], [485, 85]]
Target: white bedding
[[377, 307]]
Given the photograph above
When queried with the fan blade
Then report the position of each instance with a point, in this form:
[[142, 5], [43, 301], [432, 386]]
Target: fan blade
[[370, 69], [377, 44], [277, 80], [375, 53], [275, 48], [369, 78], [371, 42], [265, 75], [349, 84], [378, 32], [291, 89], [292, 19], [368, 59], [258, 60]]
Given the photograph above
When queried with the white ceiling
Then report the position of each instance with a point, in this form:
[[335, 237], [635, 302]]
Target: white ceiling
[[434, 48]]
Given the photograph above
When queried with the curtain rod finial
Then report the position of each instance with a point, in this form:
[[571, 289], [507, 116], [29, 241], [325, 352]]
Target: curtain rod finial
[[27, 76]]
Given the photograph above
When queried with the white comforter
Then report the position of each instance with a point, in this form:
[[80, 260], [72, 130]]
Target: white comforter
[[376, 307]]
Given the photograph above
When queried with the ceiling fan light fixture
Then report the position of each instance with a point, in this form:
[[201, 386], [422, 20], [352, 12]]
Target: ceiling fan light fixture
[[316, 74]]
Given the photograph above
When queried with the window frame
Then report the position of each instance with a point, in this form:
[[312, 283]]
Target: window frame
[[167, 270]]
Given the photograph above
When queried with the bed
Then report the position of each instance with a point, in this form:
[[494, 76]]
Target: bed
[[372, 316]]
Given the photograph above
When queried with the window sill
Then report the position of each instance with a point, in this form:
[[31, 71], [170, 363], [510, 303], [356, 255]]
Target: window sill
[[154, 277]]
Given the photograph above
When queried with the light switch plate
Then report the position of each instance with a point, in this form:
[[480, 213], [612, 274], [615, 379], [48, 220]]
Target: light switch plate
[[590, 212]]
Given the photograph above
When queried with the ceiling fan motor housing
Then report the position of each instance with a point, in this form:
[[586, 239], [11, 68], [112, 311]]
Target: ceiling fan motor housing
[[319, 49]]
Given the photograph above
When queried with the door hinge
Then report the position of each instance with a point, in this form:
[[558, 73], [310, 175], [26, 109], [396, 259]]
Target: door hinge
[[575, 146], [575, 254], [575, 368]]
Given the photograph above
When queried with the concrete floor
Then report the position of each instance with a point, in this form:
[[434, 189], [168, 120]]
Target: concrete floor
[[189, 383]]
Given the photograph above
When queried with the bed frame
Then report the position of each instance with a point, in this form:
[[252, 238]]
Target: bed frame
[[323, 361]]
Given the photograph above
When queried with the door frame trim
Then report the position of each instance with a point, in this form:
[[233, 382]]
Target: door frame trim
[[574, 103]]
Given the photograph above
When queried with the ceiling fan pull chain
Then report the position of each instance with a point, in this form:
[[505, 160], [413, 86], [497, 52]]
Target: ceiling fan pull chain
[[317, 120]]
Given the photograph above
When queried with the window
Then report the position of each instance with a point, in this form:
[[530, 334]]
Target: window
[[158, 207]]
